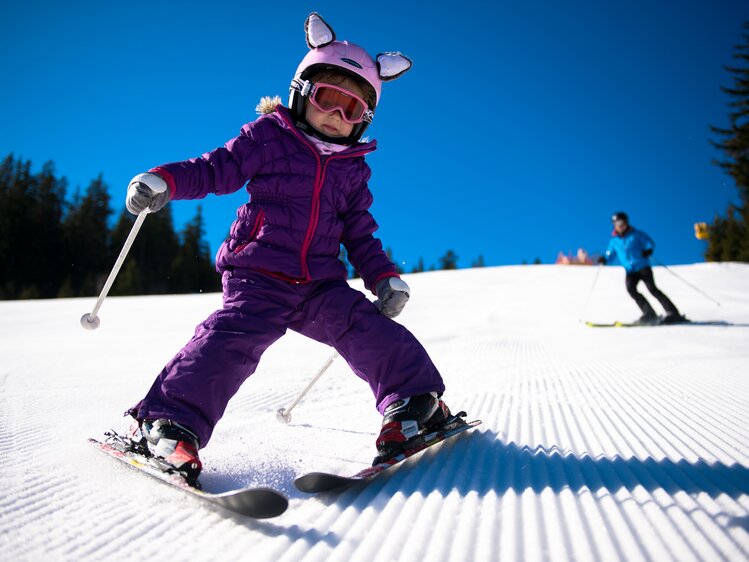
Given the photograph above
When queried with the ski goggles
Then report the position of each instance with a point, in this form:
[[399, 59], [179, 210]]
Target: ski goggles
[[328, 98]]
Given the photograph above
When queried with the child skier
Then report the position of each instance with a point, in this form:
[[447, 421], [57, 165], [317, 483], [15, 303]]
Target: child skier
[[280, 268], [632, 248]]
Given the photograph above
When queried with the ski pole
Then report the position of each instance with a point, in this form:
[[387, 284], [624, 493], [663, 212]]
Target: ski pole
[[90, 321], [283, 415], [590, 293], [700, 291]]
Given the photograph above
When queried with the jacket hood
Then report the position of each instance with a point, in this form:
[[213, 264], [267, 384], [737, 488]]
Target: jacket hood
[[267, 105]]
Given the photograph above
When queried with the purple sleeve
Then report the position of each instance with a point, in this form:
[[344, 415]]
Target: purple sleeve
[[221, 171], [364, 250]]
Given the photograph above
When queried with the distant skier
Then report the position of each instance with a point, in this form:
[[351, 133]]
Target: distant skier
[[632, 248], [305, 172]]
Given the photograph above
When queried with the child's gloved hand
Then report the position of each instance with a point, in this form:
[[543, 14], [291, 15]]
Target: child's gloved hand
[[146, 192], [647, 253], [392, 296]]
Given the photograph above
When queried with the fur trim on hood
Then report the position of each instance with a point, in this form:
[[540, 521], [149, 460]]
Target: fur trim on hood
[[267, 105]]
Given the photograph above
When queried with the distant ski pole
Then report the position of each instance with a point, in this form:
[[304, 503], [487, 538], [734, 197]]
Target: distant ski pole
[[90, 320], [700, 291], [283, 415], [590, 293]]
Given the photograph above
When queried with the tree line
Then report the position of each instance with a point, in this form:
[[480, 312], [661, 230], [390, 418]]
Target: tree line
[[52, 245], [448, 261], [55, 246], [728, 238]]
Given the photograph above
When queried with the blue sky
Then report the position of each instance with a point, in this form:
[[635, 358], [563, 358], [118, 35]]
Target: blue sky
[[522, 126]]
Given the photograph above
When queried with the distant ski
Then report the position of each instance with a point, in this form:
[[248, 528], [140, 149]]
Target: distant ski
[[661, 321], [319, 482], [620, 324], [259, 503]]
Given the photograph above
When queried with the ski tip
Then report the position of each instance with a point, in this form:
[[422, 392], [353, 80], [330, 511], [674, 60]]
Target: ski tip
[[258, 503], [591, 324], [316, 482], [269, 503]]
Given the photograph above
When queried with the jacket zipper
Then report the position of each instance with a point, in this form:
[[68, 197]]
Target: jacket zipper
[[321, 165]]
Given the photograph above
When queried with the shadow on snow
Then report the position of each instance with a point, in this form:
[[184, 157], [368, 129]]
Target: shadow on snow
[[480, 462]]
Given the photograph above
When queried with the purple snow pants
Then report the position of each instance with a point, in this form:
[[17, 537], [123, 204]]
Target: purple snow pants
[[196, 385]]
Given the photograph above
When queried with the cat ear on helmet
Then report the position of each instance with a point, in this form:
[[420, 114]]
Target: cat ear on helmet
[[392, 65], [317, 31]]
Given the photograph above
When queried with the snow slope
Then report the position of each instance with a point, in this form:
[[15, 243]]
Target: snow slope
[[597, 444]]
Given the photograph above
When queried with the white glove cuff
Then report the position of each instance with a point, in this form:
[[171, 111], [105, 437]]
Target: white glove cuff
[[154, 182], [397, 284]]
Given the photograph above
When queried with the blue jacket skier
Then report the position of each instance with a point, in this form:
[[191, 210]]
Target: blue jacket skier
[[632, 249]]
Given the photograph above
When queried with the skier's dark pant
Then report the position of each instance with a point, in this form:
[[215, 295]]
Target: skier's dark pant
[[646, 276]]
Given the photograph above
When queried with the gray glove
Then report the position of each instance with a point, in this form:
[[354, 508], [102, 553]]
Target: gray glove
[[146, 192], [392, 296]]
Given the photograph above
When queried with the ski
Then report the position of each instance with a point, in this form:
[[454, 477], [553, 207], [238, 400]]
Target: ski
[[258, 503], [660, 321], [319, 482], [617, 324]]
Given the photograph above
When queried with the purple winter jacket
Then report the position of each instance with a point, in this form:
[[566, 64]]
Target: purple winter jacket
[[302, 205]]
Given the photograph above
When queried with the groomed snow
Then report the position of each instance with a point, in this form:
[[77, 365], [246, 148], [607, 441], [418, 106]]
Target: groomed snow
[[597, 443]]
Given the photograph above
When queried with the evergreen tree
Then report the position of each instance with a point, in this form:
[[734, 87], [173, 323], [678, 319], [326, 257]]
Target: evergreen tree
[[449, 260], [149, 262], [47, 241], [31, 208], [729, 238], [479, 262], [86, 240], [398, 268], [129, 280], [192, 268], [15, 202], [419, 268]]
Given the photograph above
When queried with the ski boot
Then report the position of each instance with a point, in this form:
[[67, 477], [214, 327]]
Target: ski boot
[[673, 318], [647, 319], [406, 420], [169, 445]]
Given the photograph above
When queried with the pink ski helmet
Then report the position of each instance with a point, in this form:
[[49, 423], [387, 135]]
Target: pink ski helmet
[[345, 58]]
